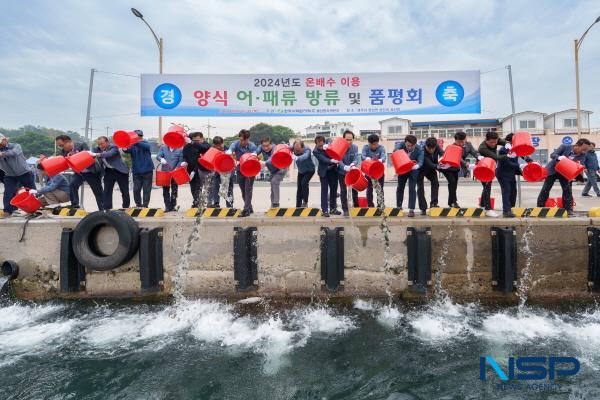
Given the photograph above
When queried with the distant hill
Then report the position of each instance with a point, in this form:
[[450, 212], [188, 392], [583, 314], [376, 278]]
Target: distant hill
[[36, 140]]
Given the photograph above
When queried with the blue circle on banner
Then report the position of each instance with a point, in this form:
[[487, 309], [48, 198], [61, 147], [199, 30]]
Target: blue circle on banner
[[567, 140], [167, 95], [449, 93]]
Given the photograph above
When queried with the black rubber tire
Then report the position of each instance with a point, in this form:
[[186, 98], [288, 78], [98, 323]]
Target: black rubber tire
[[84, 240]]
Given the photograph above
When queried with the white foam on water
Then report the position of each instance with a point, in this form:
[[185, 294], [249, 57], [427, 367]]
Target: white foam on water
[[365, 305], [389, 316], [17, 315], [443, 320], [521, 327], [26, 339]]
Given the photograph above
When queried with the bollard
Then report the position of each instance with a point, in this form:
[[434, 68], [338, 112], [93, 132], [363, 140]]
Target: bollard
[[151, 259], [72, 273], [504, 258], [594, 258], [418, 243], [245, 268], [332, 258]]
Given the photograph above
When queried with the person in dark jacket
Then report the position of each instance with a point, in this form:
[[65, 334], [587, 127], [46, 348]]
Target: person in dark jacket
[[349, 161], [142, 169], [451, 173], [91, 175], [306, 169], [17, 173], [198, 173], [489, 148], [415, 153], [328, 175], [55, 190], [240, 147], [429, 170], [216, 180], [276, 175], [576, 152], [506, 171], [115, 171], [591, 169]]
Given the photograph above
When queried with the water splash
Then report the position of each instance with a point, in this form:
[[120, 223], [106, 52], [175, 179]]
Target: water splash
[[385, 231], [525, 282], [439, 267]]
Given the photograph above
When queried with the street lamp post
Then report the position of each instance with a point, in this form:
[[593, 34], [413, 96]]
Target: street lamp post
[[159, 43], [577, 45]]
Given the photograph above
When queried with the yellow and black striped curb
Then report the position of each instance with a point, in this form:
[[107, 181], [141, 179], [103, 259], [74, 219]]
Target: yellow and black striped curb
[[457, 212], [144, 212], [376, 212], [69, 212], [293, 212], [594, 212], [540, 212], [214, 212]]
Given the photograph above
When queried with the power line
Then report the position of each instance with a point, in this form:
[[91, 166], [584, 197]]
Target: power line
[[112, 115], [492, 70], [116, 73]]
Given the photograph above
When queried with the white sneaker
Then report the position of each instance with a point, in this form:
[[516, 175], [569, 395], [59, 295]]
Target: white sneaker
[[492, 213]]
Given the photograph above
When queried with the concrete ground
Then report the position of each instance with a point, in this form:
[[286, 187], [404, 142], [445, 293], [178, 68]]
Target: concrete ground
[[468, 193]]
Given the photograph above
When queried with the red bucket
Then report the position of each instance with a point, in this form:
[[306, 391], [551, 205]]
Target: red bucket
[[373, 168], [163, 178], [55, 165], [180, 175], [557, 202], [362, 202], [355, 179], [125, 139], [521, 144], [569, 168], [26, 202], [551, 202], [452, 156], [338, 148], [402, 162], [485, 170], [533, 172], [282, 156], [80, 161], [175, 137], [217, 160], [249, 165]]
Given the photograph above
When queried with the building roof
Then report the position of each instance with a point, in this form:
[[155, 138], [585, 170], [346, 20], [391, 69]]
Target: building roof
[[394, 118], [568, 109], [522, 112], [491, 121]]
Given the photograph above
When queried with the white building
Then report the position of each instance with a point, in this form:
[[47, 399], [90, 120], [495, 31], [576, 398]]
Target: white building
[[565, 122], [394, 128], [530, 121], [328, 129]]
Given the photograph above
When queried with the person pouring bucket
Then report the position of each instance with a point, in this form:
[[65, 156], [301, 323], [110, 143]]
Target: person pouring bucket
[[169, 159]]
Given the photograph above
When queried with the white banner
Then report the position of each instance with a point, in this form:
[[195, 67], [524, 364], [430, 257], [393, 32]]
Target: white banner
[[387, 93]]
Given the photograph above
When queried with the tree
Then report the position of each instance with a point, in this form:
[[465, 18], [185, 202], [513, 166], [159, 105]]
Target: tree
[[277, 133], [34, 144]]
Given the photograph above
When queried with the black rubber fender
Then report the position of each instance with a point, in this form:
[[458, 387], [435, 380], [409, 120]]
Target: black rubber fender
[[84, 240]]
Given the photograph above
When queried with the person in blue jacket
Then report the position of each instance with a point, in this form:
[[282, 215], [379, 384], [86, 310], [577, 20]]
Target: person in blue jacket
[[114, 170], [266, 148], [328, 175], [56, 189], [142, 169], [591, 169], [506, 171], [431, 154], [306, 169], [415, 153], [349, 160], [576, 152], [170, 159], [240, 147], [374, 151]]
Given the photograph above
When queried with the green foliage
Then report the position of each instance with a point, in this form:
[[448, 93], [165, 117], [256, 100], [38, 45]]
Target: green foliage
[[277, 133], [34, 144]]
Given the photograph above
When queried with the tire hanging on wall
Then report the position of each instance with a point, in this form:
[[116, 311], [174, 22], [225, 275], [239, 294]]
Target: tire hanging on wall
[[85, 235]]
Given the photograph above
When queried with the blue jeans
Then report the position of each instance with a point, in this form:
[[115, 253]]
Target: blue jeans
[[329, 186], [142, 182], [11, 184], [591, 183]]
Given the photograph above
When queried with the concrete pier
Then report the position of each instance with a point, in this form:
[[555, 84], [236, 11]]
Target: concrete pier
[[553, 251]]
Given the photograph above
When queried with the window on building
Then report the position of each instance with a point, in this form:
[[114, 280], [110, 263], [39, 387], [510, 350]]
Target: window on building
[[570, 122], [442, 133], [469, 132], [527, 124], [395, 129]]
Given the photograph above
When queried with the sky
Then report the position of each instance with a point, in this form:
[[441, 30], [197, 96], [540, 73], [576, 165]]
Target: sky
[[47, 48]]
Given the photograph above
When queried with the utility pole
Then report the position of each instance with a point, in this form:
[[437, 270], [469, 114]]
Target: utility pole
[[208, 126], [88, 138], [513, 122]]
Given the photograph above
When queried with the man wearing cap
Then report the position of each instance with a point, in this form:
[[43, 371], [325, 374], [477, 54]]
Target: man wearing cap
[[92, 175], [16, 172], [142, 168]]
